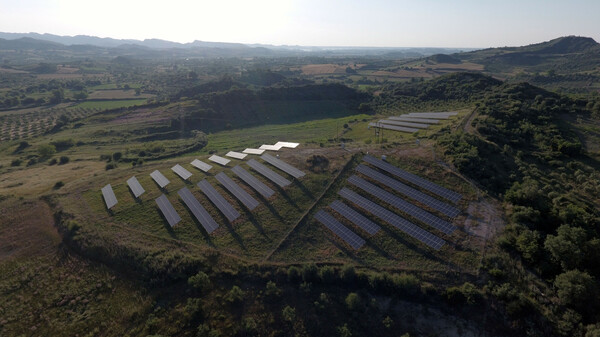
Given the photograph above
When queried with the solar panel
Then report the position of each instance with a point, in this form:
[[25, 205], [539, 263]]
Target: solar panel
[[393, 219], [183, 173], [415, 179], [237, 191], [236, 155], [403, 205], [135, 186], [410, 192], [402, 123], [355, 217], [287, 144], [256, 184], [339, 229], [218, 200], [253, 151], [393, 127], [268, 173], [270, 147], [219, 160], [201, 165], [199, 212], [161, 180], [167, 210], [444, 113], [109, 196], [285, 167], [414, 119]]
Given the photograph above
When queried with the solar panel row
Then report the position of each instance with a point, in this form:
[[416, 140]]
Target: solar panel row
[[201, 165], [109, 196], [412, 193], [135, 186], [355, 217], [414, 119], [402, 205], [230, 213], [270, 147], [256, 184], [253, 151], [236, 155], [219, 160], [424, 183], [285, 167], [339, 229], [403, 123], [161, 180], [287, 144], [182, 172], [167, 210], [268, 173], [237, 191], [393, 219], [199, 212], [393, 127]]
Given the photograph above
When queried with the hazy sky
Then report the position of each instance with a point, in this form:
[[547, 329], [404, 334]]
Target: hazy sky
[[393, 23]]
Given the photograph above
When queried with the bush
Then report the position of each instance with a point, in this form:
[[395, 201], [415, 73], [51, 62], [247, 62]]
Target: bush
[[52, 161], [58, 185], [348, 274], [293, 274], [117, 156], [63, 160], [31, 161], [353, 301], [309, 272], [236, 294], [289, 314], [46, 151], [327, 274], [200, 281], [111, 166], [272, 290]]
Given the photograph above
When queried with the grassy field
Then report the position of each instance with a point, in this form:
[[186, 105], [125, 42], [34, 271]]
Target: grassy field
[[105, 105]]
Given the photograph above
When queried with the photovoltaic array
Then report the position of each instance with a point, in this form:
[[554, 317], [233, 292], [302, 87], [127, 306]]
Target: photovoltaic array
[[201, 165], [135, 186], [182, 172], [339, 229], [402, 205], [415, 119], [167, 210], [393, 219], [414, 179], [355, 217], [219, 160], [225, 207], [410, 192], [109, 196], [403, 123], [199, 212], [393, 127], [256, 184], [268, 173], [158, 177], [237, 191], [285, 167]]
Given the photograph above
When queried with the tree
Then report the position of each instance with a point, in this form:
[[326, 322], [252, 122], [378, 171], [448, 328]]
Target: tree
[[575, 288], [289, 314], [272, 290], [236, 294], [57, 96], [200, 281], [566, 247], [46, 151], [353, 301], [344, 331], [528, 243]]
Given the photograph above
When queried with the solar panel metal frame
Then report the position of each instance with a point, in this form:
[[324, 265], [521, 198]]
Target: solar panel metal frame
[[219, 160], [414, 179], [160, 179], [268, 173], [251, 180], [403, 205], [198, 210], [253, 151], [181, 171], [285, 167], [270, 147], [201, 165], [168, 210], [236, 155], [237, 191], [393, 127], [410, 192], [407, 124], [289, 145], [414, 119], [135, 187], [355, 217], [109, 196], [395, 220], [217, 199], [339, 229]]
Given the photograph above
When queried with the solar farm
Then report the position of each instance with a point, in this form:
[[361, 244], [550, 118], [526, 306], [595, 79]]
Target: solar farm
[[373, 201]]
